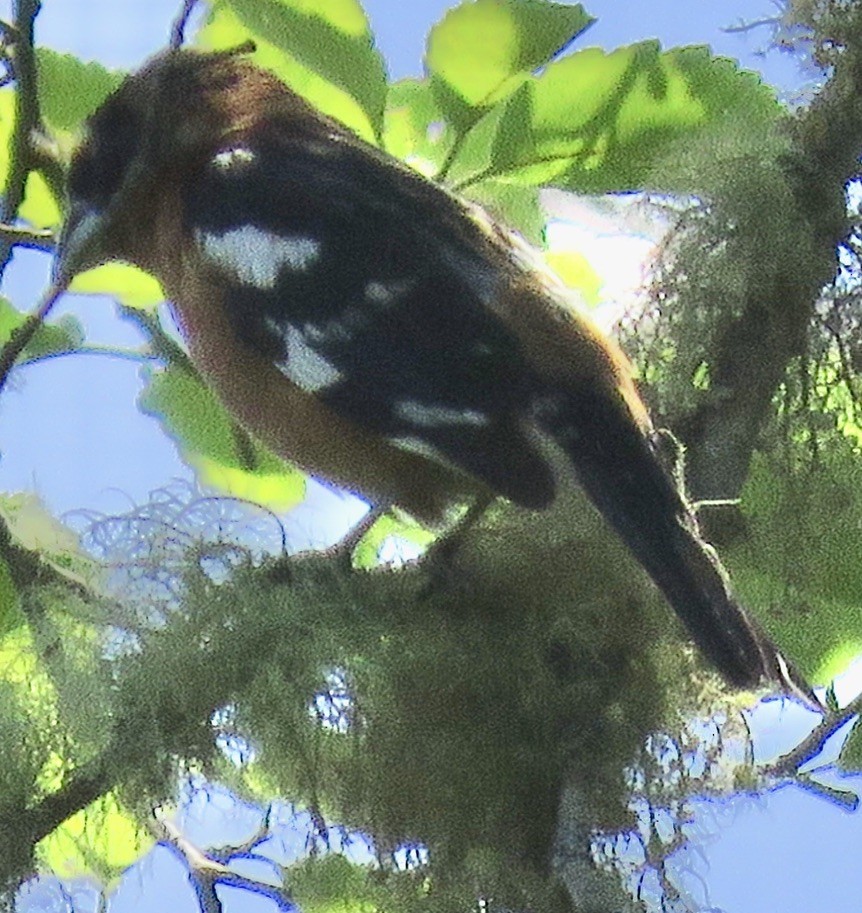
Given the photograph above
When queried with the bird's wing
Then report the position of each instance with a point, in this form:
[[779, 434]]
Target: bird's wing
[[332, 268], [373, 290]]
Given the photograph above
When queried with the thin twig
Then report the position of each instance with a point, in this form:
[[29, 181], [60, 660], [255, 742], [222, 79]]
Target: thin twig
[[23, 334], [198, 861], [205, 871], [813, 743], [41, 239], [771, 21], [135, 356], [8, 32], [846, 798], [178, 29]]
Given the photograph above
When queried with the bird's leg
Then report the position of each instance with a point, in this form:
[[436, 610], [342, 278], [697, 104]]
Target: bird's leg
[[437, 560], [342, 551]]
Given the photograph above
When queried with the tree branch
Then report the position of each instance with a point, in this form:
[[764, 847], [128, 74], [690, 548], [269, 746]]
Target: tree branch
[[206, 870], [756, 348], [178, 29], [25, 154], [39, 239], [21, 336], [28, 121], [788, 765], [80, 790]]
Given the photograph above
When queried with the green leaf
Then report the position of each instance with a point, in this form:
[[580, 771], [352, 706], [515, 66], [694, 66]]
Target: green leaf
[[32, 527], [40, 208], [213, 444], [415, 129], [123, 282], [332, 884], [513, 205], [324, 51], [70, 90], [472, 160], [578, 273], [388, 527], [596, 122], [807, 596], [101, 840], [65, 335], [481, 51]]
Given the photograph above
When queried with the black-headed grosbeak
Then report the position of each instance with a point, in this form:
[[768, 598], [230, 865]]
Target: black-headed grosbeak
[[374, 329]]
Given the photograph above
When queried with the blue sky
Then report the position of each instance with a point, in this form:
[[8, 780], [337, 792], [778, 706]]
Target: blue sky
[[71, 432]]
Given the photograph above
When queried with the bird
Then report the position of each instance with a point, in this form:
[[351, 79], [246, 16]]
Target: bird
[[379, 331]]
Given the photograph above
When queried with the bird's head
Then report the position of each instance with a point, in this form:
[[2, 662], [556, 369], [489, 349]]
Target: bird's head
[[160, 123]]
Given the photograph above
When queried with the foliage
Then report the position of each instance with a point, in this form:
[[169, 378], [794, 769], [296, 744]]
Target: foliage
[[417, 711], [57, 706], [790, 503]]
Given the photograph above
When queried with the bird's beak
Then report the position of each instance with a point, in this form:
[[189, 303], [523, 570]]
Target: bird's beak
[[82, 243]]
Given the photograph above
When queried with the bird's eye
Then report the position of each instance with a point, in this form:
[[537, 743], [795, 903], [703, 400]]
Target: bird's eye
[[98, 169]]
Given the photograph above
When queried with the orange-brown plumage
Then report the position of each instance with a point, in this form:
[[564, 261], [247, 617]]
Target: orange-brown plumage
[[291, 422]]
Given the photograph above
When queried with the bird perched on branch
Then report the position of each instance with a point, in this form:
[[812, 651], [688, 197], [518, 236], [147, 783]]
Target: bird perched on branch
[[374, 329]]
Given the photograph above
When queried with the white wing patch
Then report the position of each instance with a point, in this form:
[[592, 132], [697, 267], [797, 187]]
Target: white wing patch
[[235, 157], [424, 416], [420, 448], [257, 257], [305, 366], [385, 294]]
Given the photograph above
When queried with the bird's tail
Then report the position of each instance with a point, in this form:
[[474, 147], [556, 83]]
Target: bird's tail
[[623, 474]]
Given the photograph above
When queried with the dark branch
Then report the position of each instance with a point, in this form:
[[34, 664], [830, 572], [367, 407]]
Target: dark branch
[[25, 154], [812, 744], [38, 239], [23, 334], [80, 790], [178, 29], [28, 122], [756, 348]]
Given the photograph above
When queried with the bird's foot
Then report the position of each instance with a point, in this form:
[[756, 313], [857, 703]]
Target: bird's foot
[[438, 561]]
